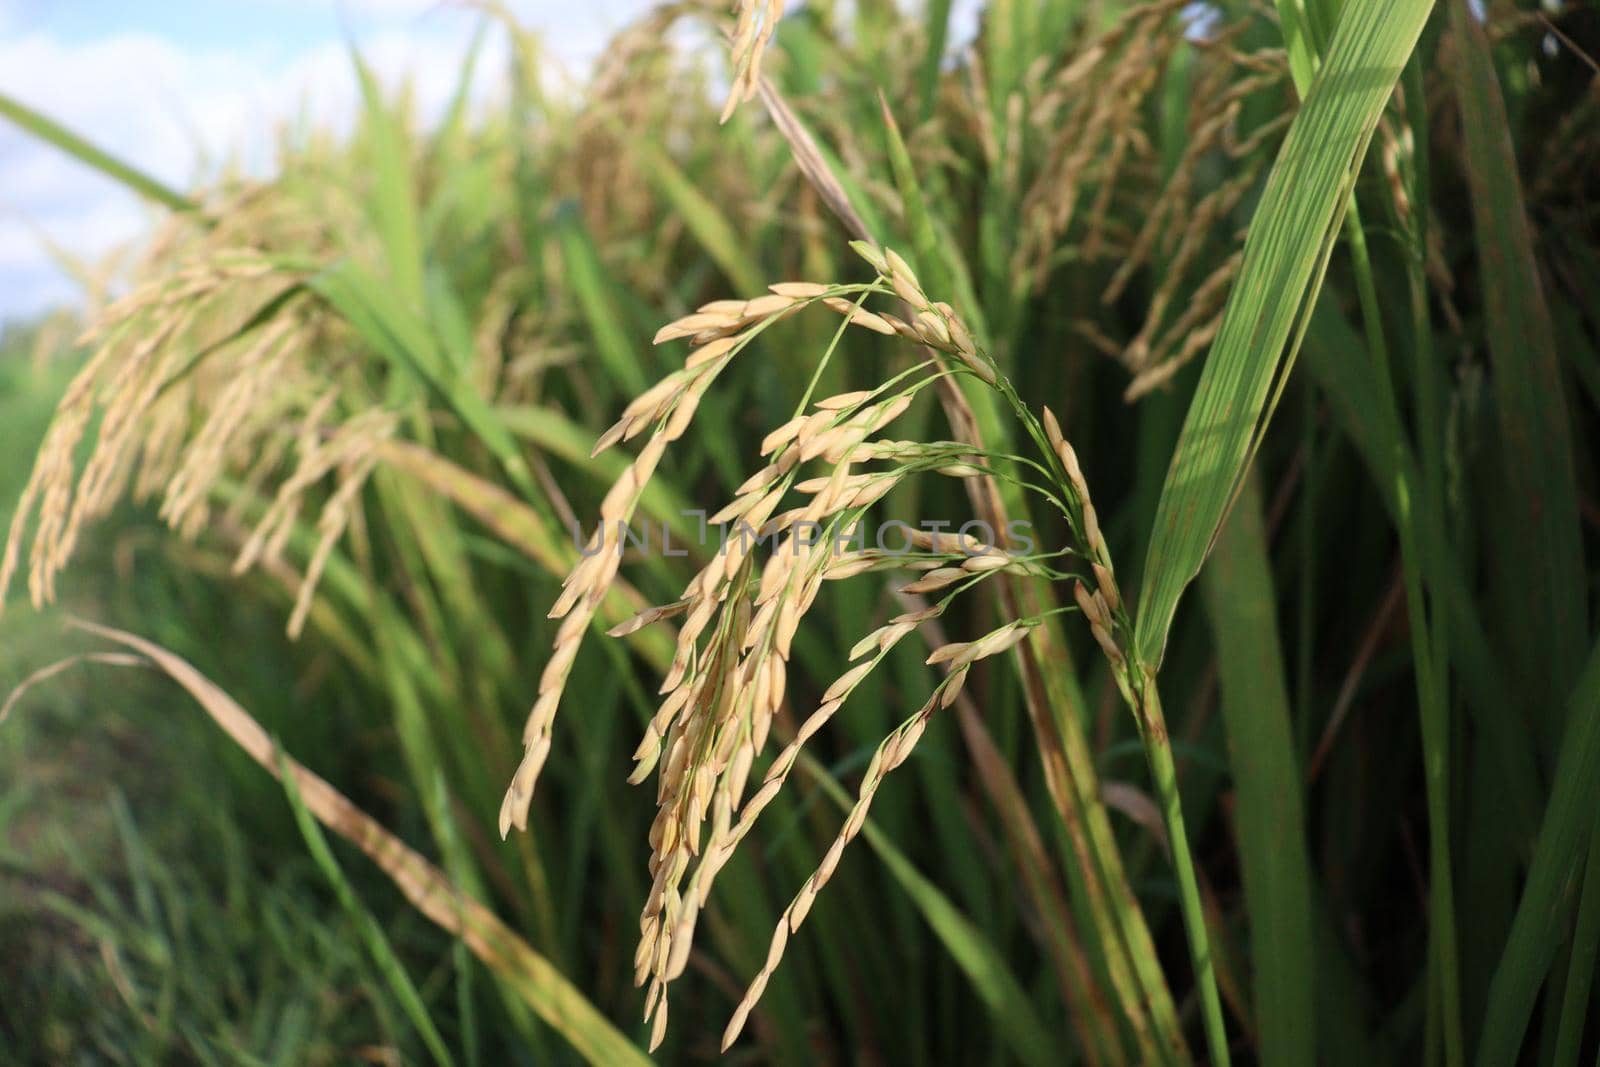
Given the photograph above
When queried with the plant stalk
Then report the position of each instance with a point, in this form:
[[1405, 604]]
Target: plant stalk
[[1146, 706]]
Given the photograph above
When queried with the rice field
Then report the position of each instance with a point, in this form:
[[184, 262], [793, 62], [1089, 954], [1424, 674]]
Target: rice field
[[830, 543]]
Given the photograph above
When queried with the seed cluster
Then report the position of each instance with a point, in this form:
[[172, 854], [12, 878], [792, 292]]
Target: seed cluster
[[738, 616], [757, 19], [184, 395], [1102, 605]]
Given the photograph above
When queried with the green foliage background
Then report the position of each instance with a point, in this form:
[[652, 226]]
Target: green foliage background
[[1383, 696]]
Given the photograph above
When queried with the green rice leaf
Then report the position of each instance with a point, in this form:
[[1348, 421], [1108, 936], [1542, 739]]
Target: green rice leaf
[[1285, 255], [1539, 555], [369, 929], [393, 200], [550, 430], [937, 261], [554, 999], [52, 132], [1584, 957], [396, 332], [1266, 773], [592, 286], [1554, 878], [936, 17], [518, 525]]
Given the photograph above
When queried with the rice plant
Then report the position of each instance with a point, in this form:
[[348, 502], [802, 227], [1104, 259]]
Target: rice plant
[[974, 361]]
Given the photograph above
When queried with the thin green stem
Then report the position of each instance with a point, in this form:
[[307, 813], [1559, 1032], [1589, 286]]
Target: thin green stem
[[1581, 969], [1145, 703], [1164, 774], [1056, 709], [1432, 697]]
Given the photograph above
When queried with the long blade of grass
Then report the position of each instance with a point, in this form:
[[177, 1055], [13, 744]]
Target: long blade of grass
[[938, 261], [1270, 812], [936, 18], [371, 933], [396, 332], [1585, 956], [1552, 884], [52, 132], [512, 521], [447, 146], [393, 200], [1335, 357], [557, 435], [925, 242], [546, 991], [592, 286], [1285, 256], [1539, 558]]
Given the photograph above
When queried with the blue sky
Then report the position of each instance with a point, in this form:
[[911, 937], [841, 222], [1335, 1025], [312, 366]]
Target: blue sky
[[195, 23], [178, 86]]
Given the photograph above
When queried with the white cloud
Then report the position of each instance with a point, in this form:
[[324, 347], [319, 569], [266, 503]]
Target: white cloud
[[179, 113], [378, 8]]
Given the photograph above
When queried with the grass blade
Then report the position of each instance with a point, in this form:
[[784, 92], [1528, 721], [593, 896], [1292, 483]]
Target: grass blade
[[397, 333], [52, 132], [1540, 565], [938, 262], [1285, 255], [371, 933], [1585, 954], [551, 996], [557, 435], [1270, 815], [394, 199], [936, 17], [592, 286], [1553, 879]]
